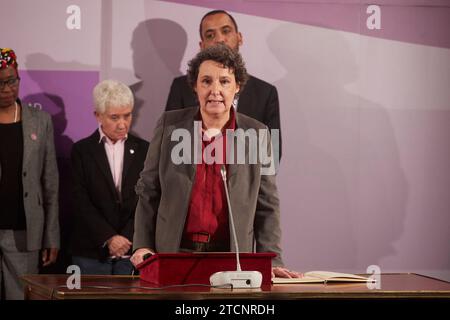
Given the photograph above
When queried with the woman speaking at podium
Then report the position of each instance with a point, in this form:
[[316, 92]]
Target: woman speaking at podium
[[182, 204]]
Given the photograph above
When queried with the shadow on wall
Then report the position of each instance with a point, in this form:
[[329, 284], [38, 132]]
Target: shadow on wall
[[55, 106], [343, 192], [158, 46]]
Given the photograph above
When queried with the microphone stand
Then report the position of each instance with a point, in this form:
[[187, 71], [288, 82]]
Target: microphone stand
[[238, 278]]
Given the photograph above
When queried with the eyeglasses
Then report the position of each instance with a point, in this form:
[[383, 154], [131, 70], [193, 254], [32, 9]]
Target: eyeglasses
[[12, 83]]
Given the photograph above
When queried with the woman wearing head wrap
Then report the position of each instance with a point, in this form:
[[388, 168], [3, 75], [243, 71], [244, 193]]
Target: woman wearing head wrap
[[28, 184]]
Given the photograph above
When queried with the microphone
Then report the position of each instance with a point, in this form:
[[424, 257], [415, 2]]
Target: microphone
[[238, 278]]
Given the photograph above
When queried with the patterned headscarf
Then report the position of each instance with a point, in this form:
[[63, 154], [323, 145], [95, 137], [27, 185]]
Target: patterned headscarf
[[7, 58]]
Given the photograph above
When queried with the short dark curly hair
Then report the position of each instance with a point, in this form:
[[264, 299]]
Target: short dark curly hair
[[224, 55]]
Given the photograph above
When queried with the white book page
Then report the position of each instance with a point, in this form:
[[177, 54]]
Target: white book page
[[325, 275]]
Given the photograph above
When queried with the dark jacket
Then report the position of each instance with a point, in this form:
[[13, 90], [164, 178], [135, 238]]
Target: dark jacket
[[164, 191], [99, 212]]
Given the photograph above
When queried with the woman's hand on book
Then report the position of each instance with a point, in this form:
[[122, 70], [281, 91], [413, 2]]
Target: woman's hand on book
[[281, 272]]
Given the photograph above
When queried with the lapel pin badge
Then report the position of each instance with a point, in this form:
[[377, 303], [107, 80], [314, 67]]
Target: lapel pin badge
[[33, 136], [131, 151]]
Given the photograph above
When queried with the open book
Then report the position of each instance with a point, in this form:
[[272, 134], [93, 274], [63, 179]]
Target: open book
[[323, 277]]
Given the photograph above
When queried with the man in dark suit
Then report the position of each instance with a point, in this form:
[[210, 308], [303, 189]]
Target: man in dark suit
[[258, 99], [106, 167]]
